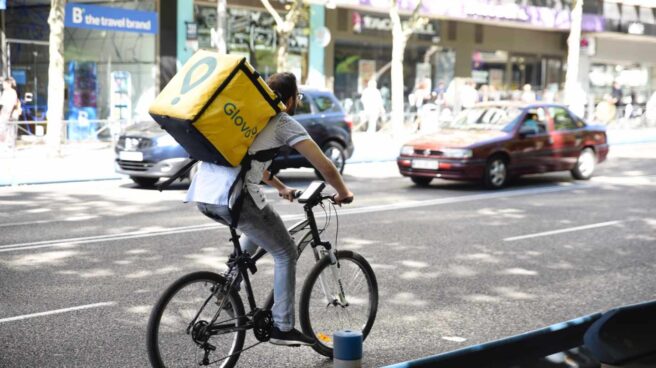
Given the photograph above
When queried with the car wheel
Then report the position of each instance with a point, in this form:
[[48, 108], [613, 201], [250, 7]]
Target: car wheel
[[496, 172], [144, 182], [335, 153], [585, 165], [421, 181]]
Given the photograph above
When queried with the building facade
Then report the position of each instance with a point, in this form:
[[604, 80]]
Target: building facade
[[114, 70]]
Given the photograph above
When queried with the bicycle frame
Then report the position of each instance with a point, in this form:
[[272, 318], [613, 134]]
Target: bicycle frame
[[309, 222], [244, 262]]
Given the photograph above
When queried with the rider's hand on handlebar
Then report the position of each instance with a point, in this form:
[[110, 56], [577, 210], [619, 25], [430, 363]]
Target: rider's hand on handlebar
[[288, 193], [343, 198]]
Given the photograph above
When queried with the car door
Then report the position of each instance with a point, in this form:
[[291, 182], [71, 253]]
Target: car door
[[566, 136], [531, 146]]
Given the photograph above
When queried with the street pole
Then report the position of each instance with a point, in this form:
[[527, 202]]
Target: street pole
[[221, 26], [574, 48], [3, 45]]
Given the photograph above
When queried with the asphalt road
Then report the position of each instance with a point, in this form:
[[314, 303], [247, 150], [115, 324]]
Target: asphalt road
[[81, 264]]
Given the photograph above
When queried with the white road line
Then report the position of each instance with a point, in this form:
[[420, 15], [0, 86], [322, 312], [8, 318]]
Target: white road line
[[553, 232], [41, 222], [342, 212], [58, 311]]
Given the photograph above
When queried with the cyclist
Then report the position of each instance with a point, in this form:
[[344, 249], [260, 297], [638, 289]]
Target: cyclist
[[211, 191]]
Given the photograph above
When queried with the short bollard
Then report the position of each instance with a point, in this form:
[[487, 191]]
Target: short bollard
[[347, 349]]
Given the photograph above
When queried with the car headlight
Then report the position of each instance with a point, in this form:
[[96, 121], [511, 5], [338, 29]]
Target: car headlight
[[166, 141], [457, 152], [407, 150]]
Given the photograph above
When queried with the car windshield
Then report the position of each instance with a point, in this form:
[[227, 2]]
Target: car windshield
[[486, 118]]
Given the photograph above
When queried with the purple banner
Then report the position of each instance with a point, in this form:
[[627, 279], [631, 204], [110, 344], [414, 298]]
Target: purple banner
[[491, 10]]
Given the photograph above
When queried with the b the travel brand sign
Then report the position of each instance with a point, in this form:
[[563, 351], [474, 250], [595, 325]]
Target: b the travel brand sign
[[106, 18]]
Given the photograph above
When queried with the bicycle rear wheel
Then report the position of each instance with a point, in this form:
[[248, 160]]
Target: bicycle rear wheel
[[321, 312], [174, 341]]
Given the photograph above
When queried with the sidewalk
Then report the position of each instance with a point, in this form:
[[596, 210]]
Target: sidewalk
[[95, 161]]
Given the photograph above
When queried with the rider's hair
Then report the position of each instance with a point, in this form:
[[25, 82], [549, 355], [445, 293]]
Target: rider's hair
[[284, 84]]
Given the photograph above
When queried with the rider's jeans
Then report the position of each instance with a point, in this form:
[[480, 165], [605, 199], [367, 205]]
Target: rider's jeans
[[265, 228]]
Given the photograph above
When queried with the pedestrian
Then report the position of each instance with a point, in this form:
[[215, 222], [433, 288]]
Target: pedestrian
[[528, 96], [9, 112], [372, 102], [617, 96], [468, 94]]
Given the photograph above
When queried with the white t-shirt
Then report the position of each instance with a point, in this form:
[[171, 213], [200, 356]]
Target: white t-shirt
[[212, 182]]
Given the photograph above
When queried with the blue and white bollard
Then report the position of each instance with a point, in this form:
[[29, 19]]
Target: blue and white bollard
[[347, 349]]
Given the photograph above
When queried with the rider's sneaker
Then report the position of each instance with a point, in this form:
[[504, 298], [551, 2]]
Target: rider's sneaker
[[290, 338]]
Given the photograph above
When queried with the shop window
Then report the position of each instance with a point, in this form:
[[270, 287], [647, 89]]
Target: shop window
[[489, 67]]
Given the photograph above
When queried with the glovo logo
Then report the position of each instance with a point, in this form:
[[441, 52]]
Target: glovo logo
[[187, 85], [231, 110]]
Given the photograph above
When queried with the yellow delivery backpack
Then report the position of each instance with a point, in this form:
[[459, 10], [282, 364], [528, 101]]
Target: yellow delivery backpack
[[215, 107]]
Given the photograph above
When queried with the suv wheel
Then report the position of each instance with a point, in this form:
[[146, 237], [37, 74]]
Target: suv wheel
[[144, 182], [335, 153]]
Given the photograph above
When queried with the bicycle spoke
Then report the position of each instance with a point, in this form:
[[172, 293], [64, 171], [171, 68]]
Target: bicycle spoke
[[180, 345]]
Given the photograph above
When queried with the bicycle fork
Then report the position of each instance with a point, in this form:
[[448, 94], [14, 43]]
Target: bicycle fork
[[334, 271]]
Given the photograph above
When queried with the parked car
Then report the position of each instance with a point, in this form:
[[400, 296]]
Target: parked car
[[147, 153], [493, 142]]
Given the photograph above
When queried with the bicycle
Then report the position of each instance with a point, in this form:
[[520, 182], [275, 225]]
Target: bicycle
[[328, 302]]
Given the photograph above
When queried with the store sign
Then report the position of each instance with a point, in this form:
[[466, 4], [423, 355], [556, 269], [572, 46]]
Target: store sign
[[490, 9], [384, 24], [106, 18]]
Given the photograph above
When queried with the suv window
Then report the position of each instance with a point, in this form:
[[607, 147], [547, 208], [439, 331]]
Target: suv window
[[304, 106], [562, 119], [326, 104]]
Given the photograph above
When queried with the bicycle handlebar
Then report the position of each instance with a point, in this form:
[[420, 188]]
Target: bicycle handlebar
[[316, 192]]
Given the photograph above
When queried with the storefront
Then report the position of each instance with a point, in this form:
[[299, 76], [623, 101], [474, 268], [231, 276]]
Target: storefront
[[503, 44], [110, 59], [623, 54], [362, 50], [251, 33]]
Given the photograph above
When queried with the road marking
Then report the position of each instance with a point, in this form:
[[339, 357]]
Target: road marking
[[570, 229], [41, 222], [343, 212], [109, 237], [57, 311], [454, 338]]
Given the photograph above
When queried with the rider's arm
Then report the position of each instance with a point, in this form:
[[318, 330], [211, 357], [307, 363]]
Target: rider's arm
[[284, 191], [309, 149]]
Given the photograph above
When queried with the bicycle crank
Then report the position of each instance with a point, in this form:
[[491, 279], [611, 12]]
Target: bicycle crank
[[262, 324]]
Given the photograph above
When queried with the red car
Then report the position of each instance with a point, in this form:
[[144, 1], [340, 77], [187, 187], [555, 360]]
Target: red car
[[492, 142]]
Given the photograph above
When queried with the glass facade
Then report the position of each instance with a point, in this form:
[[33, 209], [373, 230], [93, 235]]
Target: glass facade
[[252, 34], [108, 74]]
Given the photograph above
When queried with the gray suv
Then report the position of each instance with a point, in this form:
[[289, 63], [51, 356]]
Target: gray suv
[[147, 153]]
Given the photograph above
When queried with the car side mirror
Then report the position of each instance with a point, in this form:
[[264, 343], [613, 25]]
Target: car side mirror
[[526, 131]]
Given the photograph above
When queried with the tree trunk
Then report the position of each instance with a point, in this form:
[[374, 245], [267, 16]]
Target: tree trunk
[[398, 49], [572, 90], [283, 46], [55, 114], [221, 27]]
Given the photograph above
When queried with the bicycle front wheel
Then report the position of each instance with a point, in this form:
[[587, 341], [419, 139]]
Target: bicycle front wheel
[[178, 333], [339, 297]]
